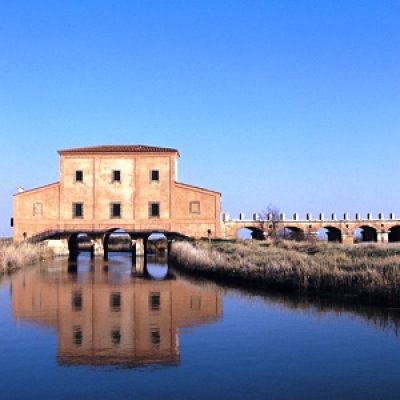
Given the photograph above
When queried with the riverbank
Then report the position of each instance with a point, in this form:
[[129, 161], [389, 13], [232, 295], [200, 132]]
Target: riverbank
[[14, 256], [368, 272]]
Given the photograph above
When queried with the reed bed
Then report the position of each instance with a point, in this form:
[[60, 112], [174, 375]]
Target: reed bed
[[367, 271], [16, 255]]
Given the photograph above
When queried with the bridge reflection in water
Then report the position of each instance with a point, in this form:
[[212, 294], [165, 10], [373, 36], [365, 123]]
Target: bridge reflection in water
[[106, 315]]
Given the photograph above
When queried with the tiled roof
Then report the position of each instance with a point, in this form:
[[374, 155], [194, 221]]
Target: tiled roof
[[136, 148]]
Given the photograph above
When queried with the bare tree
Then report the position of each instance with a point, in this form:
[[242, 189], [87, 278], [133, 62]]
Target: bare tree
[[270, 217]]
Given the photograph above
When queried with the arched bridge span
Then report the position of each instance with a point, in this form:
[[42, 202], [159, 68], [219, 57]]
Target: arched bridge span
[[345, 230]]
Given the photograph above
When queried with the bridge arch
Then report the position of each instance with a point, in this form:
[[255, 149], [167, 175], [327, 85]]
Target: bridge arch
[[330, 234], [250, 232], [365, 233], [291, 233], [117, 240], [394, 234], [78, 242], [157, 243]]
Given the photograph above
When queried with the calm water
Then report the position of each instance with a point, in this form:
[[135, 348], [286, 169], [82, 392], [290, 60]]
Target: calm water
[[107, 332]]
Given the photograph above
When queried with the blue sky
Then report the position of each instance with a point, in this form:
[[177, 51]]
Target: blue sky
[[295, 103]]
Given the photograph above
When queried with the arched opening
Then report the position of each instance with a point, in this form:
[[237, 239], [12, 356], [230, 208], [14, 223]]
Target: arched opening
[[157, 244], [78, 243], [157, 267], [394, 234], [290, 233], [330, 234], [157, 256], [365, 234], [248, 233], [117, 241]]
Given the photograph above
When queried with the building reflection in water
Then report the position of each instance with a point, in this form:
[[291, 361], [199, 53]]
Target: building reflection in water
[[106, 315]]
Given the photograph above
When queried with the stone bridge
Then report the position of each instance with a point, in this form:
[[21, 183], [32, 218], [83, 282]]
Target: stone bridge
[[343, 230], [97, 242]]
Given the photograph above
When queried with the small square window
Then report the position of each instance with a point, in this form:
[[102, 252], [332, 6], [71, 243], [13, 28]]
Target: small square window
[[155, 336], [116, 176], [115, 210], [116, 336], [38, 209], [194, 207], [77, 300], [77, 210], [77, 336], [195, 303], [154, 301], [115, 302], [155, 175], [78, 176], [154, 210]]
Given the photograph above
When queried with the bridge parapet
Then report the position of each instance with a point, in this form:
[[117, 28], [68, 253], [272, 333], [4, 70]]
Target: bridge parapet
[[344, 229], [296, 217]]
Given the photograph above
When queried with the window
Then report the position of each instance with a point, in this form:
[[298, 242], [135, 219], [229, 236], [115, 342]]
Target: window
[[115, 210], [195, 303], [77, 210], [77, 336], [154, 301], [38, 209], [116, 336], [115, 302], [116, 176], [79, 176], [77, 300], [194, 207], [154, 210], [155, 336], [155, 175]]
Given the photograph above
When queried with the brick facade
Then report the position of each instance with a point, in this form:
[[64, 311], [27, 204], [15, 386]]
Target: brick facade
[[117, 187]]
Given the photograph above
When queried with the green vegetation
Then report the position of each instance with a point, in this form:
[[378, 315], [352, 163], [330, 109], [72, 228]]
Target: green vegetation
[[363, 271], [16, 255]]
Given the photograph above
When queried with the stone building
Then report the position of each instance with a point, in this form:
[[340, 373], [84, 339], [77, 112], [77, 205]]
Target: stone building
[[132, 187]]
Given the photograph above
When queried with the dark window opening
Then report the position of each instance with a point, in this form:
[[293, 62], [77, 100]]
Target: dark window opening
[[155, 336], [77, 300], [77, 336], [154, 210], [115, 302], [155, 301], [116, 336], [77, 210], [78, 176], [116, 176], [115, 210], [155, 175]]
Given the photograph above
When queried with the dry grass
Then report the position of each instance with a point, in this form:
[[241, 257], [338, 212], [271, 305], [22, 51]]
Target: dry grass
[[15, 256], [305, 267]]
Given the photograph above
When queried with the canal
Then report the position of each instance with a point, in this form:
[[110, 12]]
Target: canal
[[105, 330]]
